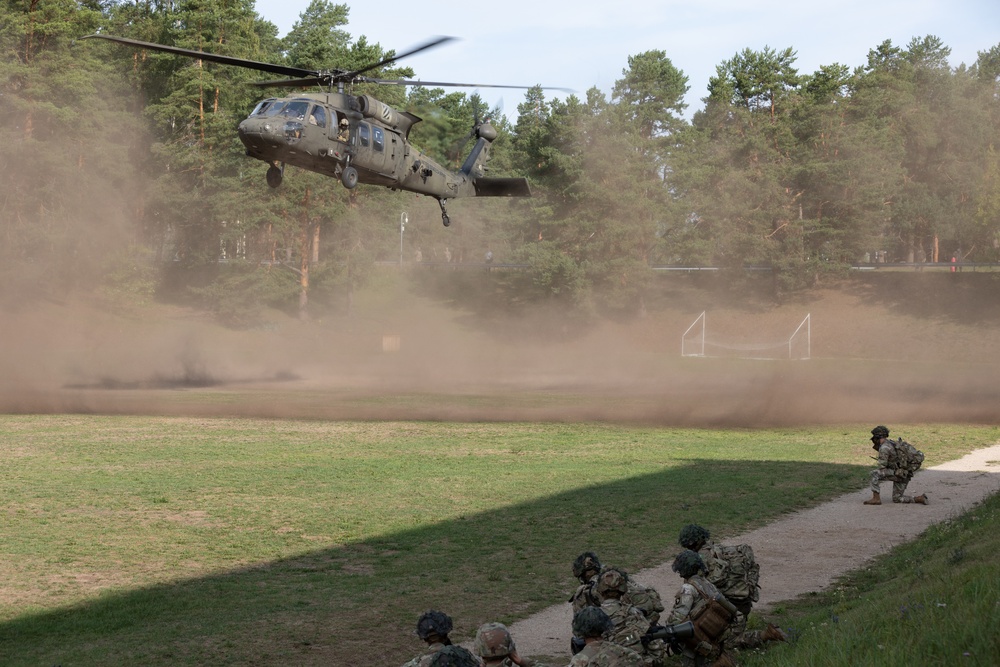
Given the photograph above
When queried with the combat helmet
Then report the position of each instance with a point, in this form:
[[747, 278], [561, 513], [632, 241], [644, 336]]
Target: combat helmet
[[879, 432], [592, 622], [611, 580], [588, 560], [493, 640], [693, 536], [454, 656], [433, 623], [688, 563]]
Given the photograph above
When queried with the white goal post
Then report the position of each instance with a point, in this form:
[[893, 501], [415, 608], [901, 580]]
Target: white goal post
[[695, 342]]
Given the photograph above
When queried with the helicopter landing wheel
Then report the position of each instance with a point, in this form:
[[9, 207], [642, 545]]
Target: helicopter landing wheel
[[349, 178], [274, 176], [444, 213]]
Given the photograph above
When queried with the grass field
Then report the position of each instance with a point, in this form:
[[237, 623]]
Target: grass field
[[222, 541], [935, 601]]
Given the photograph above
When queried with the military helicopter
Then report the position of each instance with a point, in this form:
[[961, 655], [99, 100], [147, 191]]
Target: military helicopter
[[356, 138]]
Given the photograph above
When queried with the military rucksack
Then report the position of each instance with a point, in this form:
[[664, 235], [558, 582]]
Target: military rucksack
[[909, 457], [711, 620], [645, 598], [735, 572]]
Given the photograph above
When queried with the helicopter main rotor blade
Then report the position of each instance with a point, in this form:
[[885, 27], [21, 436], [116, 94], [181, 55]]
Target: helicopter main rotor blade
[[307, 77], [211, 57], [437, 41], [408, 82], [289, 83]]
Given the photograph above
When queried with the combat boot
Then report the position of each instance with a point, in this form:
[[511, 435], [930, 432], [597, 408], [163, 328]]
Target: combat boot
[[876, 499], [921, 499], [773, 634]]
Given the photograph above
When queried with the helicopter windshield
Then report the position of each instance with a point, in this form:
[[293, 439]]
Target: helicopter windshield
[[295, 109], [262, 107]]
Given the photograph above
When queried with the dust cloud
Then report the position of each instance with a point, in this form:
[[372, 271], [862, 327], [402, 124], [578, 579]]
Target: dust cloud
[[881, 351]]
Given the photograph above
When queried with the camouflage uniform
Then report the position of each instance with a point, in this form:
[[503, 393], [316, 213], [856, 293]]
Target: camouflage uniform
[[585, 595], [454, 656], [689, 600], [742, 595], [891, 469], [629, 623], [603, 653], [424, 659], [740, 637], [495, 645]]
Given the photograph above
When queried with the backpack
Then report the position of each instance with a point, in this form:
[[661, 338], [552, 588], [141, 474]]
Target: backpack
[[735, 572], [645, 598], [909, 457], [711, 620]]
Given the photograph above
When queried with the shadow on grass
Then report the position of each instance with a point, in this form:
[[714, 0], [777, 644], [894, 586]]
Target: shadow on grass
[[357, 604]]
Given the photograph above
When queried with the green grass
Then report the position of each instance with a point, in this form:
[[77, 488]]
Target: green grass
[[178, 541], [934, 601]]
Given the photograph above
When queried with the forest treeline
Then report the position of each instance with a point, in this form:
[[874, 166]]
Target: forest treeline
[[121, 171]]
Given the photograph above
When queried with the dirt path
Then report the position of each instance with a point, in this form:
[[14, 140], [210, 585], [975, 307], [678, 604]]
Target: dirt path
[[828, 540]]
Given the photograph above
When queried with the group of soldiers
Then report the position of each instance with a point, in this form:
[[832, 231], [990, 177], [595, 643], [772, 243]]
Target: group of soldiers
[[617, 621]]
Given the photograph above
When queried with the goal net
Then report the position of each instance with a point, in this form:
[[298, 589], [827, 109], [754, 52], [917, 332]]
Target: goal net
[[697, 343]]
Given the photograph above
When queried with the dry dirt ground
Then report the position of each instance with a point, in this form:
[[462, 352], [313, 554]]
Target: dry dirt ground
[[827, 541]]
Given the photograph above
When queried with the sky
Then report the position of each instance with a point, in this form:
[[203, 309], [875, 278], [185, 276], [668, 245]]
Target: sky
[[585, 43]]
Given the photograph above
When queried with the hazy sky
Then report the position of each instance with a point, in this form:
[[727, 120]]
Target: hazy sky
[[585, 43]]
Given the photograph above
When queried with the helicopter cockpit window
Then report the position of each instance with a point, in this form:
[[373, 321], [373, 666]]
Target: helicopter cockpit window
[[296, 109], [262, 107], [378, 140], [317, 116], [272, 109], [364, 134]]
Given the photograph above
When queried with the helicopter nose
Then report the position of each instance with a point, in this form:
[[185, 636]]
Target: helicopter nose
[[260, 134]]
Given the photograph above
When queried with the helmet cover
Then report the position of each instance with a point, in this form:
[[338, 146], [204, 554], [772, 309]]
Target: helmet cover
[[693, 535], [588, 560], [611, 580], [493, 640], [688, 563], [433, 623], [592, 622]]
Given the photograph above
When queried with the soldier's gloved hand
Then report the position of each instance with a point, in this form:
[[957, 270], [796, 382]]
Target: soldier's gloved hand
[[645, 639]]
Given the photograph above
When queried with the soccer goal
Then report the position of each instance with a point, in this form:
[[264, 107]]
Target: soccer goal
[[696, 343]]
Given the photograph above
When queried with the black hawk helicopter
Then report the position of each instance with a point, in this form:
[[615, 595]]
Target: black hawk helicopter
[[355, 138]]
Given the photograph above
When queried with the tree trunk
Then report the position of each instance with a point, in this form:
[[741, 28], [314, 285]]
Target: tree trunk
[[305, 253]]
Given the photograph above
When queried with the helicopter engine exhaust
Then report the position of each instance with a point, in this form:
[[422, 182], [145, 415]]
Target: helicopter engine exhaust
[[373, 108]]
